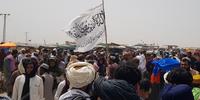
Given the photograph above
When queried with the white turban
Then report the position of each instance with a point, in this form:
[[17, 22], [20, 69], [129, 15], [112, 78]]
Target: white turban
[[80, 74]]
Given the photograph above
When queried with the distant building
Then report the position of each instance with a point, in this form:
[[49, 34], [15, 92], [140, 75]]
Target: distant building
[[146, 46], [70, 43], [172, 46]]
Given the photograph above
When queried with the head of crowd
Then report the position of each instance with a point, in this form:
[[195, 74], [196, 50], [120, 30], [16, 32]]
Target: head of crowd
[[126, 74]]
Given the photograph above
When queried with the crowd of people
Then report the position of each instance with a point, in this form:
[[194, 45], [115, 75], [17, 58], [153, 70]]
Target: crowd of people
[[61, 74]]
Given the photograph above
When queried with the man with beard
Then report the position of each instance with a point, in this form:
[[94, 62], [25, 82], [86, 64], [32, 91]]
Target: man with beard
[[186, 64], [121, 87], [28, 86]]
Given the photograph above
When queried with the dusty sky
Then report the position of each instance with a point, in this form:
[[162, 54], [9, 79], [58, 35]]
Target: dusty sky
[[128, 21]]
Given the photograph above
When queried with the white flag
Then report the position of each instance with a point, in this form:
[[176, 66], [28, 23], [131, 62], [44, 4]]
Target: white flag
[[87, 29]]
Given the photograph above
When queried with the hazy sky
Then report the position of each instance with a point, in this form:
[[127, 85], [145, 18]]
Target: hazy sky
[[128, 21]]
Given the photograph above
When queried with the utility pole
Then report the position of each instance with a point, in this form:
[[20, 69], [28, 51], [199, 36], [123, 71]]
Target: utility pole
[[26, 38], [4, 26], [45, 42]]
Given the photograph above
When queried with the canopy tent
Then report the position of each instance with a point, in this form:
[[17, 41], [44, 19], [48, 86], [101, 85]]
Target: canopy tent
[[8, 45]]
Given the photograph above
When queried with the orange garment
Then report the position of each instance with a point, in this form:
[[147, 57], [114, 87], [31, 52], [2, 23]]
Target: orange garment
[[155, 79]]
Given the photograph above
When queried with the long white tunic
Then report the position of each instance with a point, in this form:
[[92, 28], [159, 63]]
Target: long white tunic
[[36, 88]]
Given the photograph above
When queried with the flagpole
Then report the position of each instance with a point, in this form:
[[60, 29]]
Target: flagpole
[[107, 51]]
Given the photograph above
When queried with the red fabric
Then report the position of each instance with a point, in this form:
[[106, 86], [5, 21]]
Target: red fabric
[[155, 79]]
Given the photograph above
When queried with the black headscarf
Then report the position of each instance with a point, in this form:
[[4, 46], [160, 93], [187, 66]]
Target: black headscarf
[[26, 89]]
